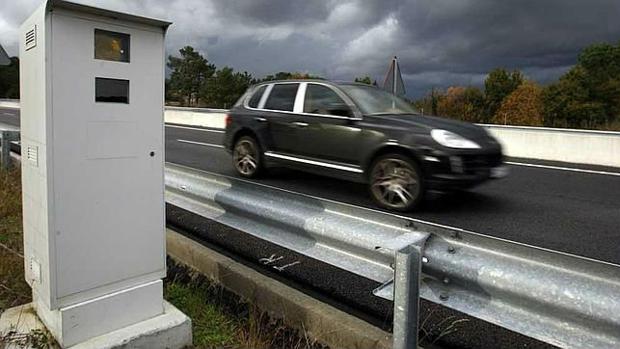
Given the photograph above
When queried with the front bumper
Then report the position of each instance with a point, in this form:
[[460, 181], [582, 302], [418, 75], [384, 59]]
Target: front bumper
[[463, 171]]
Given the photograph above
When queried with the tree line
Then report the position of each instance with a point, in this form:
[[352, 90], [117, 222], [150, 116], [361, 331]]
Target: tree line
[[587, 96], [195, 82]]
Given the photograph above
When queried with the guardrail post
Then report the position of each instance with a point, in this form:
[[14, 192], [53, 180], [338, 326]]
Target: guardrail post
[[407, 273]]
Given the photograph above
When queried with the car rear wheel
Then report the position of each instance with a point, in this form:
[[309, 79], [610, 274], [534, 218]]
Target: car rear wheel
[[247, 157], [396, 182]]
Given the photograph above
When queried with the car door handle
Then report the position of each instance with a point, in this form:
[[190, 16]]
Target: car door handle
[[260, 119], [300, 124]]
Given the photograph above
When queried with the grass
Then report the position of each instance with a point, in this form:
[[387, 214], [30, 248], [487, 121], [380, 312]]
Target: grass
[[13, 288], [221, 320]]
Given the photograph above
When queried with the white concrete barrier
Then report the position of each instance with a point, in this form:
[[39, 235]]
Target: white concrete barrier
[[212, 118], [542, 143], [9, 103], [556, 144]]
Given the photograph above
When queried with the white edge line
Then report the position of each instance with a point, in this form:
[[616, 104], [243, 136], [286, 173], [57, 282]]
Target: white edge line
[[564, 168], [201, 143], [196, 128]]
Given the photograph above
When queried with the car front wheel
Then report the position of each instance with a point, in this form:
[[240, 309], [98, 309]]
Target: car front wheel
[[396, 182], [247, 157]]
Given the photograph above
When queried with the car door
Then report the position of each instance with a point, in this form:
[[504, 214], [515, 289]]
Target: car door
[[326, 128], [278, 109]]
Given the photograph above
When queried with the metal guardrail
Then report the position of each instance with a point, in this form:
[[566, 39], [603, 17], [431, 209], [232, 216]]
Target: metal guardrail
[[564, 300], [6, 137]]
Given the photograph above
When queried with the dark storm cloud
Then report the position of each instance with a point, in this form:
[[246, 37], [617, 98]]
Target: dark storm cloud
[[439, 42], [477, 35], [272, 12]]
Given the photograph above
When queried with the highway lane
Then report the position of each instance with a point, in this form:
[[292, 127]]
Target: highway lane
[[567, 211], [9, 117]]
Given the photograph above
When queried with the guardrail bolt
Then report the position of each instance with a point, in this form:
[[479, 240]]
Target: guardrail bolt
[[443, 296], [451, 250]]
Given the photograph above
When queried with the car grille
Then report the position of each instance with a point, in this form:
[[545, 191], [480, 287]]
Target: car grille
[[476, 163]]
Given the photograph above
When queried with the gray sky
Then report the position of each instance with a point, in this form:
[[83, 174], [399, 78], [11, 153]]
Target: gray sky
[[439, 42]]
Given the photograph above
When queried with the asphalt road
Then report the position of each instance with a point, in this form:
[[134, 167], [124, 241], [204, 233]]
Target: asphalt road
[[569, 211], [9, 117]]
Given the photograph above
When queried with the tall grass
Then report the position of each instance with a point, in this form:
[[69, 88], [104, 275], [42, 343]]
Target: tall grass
[[13, 289]]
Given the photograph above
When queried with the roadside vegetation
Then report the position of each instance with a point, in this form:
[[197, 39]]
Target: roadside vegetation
[[221, 320], [586, 96]]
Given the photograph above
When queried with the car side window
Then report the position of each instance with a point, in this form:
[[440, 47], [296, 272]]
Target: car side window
[[253, 102], [323, 100], [282, 97]]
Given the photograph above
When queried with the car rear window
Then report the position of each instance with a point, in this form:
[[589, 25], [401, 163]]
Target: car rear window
[[282, 97], [253, 103]]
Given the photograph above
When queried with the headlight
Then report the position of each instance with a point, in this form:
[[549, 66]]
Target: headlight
[[452, 140]]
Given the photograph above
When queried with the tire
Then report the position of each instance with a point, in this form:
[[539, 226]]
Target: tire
[[247, 157], [396, 182]]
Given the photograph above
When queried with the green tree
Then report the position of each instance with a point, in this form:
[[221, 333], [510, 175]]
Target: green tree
[[499, 84], [289, 76], [365, 80], [225, 87], [569, 103], [189, 74], [588, 95], [9, 79]]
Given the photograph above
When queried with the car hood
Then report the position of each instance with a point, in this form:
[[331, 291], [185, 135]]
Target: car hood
[[462, 128]]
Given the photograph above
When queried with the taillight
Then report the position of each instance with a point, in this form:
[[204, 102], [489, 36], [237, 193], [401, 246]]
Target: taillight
[[228, 120]]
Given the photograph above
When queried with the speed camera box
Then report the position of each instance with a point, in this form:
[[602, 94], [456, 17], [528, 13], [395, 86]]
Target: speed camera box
[[92, 154]]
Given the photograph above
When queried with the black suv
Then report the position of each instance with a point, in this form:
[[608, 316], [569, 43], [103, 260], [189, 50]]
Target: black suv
[[361, 133]]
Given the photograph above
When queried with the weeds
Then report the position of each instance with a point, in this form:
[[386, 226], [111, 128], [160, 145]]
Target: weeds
[[13, 289], [37, 339], [239, 324]]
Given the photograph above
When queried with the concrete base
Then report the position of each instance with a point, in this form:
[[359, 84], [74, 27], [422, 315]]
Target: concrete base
[[319, 320], [171, 330]]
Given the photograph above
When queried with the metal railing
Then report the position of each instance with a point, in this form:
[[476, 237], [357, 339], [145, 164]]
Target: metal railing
[[561, 299], [6, 138]]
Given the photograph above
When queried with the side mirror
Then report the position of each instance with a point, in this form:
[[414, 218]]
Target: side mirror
[[339, 109]]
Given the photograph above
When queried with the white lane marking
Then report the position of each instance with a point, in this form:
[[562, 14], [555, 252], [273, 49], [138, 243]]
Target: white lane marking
[[564, 168], [197, 129], [201, 143]]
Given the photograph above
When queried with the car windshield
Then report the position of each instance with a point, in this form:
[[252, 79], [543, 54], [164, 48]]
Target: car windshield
[[372, 100]]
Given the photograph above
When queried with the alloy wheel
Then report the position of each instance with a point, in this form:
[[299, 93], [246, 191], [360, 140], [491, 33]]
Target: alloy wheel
[[395, 183], [245, 157]]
